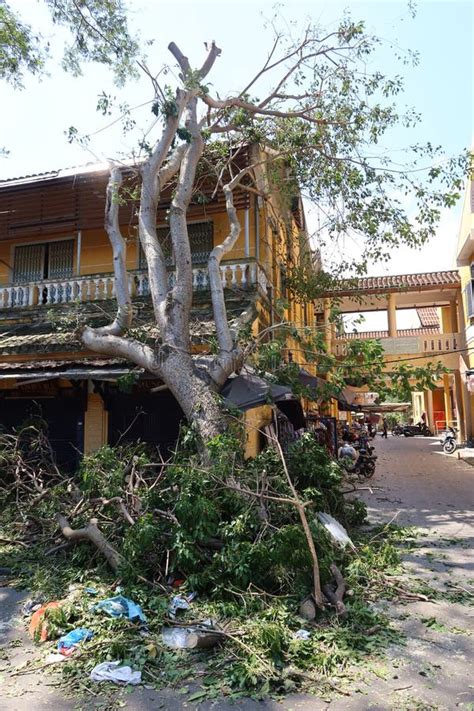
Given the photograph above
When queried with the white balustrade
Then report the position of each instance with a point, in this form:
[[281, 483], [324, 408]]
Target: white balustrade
[[234, 275], [441, 343]]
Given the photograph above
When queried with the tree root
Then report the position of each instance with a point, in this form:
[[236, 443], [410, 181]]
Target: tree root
[[90, 533]]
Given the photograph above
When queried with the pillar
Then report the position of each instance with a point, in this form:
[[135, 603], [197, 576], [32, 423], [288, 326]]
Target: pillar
[[467, 412], [95, 423], [459, 405], [453, 313], [392, 315], [461, 322], [327, 325], [448, 410], [429, 410]]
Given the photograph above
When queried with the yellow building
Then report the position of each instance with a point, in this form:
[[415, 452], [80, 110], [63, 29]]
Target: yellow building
[[56, 270], [436, 299], [465, 263]]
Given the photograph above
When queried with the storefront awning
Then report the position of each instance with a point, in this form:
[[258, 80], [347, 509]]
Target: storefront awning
[[247, 391], [385, 407]]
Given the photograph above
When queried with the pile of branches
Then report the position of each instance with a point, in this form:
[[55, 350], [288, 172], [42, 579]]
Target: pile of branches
[[222, 527], [27, 462], [243, 535]]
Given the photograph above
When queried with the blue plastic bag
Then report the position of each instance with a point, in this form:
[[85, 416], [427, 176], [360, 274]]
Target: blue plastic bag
[[73, 638], [120, 606]]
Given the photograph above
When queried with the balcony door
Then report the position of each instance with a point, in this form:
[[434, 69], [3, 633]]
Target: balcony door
[[51, 260]]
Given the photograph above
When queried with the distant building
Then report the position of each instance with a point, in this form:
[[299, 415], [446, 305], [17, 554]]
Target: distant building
[[436, 298]]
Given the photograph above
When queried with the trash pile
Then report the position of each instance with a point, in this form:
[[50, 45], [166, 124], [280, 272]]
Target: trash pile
[[174, 635]]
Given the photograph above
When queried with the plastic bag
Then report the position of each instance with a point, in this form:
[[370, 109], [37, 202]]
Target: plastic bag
[[38, 626], [302, 634], [180, 602], [112, 671], [68, 643], [120, 606]]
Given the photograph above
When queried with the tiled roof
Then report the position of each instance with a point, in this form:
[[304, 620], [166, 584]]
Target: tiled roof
[[11, 366], [401, 333], [45, 337], [428, 316], [400, 282]]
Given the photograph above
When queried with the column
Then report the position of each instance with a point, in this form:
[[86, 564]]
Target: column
[[461, 322], [459, 406], [95, 423], [392, 315], [448, 411], [327, 325], [429, 410], [467, 412], [453, 313]]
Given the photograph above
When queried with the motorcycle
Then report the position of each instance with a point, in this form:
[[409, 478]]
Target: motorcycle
[[449, 440], [364, 466], [397, 431], [421, 429]]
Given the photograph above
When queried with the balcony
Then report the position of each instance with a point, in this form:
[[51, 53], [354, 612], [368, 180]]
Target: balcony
[[433, 343], [235, 275]]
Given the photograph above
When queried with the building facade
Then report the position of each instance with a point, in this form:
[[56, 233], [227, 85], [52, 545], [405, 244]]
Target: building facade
[[56, 272], [465, 263], [436, 298]]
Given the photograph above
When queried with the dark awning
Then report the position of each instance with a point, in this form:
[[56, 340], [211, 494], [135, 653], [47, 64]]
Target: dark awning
[[316, 386], [247, 391]]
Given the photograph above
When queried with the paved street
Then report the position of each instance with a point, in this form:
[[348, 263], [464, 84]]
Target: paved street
[[414, 484]]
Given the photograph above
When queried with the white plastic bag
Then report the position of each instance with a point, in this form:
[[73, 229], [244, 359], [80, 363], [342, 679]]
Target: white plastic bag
[[111, 671]]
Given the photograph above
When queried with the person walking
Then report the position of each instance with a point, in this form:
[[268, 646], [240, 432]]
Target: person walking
[[384, 427]]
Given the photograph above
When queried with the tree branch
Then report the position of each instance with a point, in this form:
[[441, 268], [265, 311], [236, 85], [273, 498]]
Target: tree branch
[[123, 319], [90, 533], [132, 350]]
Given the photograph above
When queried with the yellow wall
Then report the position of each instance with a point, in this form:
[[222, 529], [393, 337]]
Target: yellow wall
[[256, 420]]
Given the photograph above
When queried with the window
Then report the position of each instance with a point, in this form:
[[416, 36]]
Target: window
[[51, 260], [469, 294], [201, 240], [468, 291]]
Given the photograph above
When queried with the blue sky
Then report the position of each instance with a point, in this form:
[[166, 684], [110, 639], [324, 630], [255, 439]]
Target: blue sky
[[32, 122]]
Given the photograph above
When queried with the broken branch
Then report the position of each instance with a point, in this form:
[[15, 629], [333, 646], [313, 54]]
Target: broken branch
[[90, 533]]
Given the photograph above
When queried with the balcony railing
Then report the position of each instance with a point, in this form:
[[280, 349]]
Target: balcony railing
[[428, 343], [242, 274]]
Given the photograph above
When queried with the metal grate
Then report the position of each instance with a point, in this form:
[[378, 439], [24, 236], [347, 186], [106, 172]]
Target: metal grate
[[201, 240], [29, 263], [61, 259], [51, 260]]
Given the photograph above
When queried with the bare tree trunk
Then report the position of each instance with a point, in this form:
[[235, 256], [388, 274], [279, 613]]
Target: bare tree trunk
[[196, 395]]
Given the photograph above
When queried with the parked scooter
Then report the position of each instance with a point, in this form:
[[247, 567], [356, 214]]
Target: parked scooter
[[363, 466], [397, 431], [420, 429], [449, 440]]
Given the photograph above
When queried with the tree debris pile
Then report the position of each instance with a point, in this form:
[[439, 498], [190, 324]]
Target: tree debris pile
[[229, 532]]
